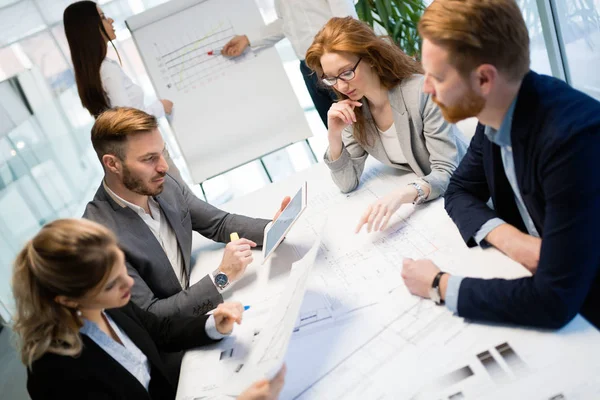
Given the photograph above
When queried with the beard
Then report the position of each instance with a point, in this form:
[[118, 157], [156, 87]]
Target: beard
[[138, 186], [470, 105]]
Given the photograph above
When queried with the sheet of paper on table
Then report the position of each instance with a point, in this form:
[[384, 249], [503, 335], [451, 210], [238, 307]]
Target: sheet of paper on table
[[267, 353]]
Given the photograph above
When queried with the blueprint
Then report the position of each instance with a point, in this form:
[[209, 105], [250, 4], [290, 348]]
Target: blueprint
[[268, 351], [360, 334]]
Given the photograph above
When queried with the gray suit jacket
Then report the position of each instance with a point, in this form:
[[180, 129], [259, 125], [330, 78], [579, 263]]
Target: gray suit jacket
[[156, 287], [433, 148]]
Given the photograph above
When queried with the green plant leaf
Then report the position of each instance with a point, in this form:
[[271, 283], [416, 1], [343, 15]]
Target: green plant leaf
[[399, 18]]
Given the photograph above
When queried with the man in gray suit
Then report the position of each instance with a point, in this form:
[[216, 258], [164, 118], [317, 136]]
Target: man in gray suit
[[153, 216]]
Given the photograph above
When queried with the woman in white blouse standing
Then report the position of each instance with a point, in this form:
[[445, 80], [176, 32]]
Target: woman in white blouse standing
[[101, 82]]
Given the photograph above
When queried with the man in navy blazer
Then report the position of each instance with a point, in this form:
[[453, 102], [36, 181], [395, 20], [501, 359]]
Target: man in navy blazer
[[535, 154]]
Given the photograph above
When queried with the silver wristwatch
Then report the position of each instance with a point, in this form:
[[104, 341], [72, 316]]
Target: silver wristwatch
[[420, 193], [221, 279]]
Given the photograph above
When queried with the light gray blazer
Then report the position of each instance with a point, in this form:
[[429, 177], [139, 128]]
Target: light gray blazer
[[433, 148], [156, 287]]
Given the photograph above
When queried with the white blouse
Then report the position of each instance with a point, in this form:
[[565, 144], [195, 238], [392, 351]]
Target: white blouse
[[122, 92], [391, 145]]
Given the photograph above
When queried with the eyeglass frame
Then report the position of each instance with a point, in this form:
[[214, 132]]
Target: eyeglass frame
[[353, 70]]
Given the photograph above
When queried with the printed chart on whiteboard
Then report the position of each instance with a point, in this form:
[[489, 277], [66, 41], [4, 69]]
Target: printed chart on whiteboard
[[180, 42], [194, 60]]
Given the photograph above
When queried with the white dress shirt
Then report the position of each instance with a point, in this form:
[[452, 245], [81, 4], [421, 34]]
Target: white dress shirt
[[160, 227], [162, 230], [300, 21], [391, 145], [122, 92]]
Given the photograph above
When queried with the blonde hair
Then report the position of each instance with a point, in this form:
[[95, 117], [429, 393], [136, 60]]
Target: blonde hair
[[348, 35], [476, 32], [68, 257], [113, 126]]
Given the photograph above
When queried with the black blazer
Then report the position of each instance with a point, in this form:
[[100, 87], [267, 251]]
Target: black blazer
[[95, 375], [556, 147]]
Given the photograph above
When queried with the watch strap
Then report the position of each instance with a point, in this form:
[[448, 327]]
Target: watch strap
[[420, 193], [436, 285]]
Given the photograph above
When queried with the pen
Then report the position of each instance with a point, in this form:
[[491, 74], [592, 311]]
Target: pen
[[246, 308], [234, 236]]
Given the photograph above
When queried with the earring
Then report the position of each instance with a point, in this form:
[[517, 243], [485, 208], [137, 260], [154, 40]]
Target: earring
[[78, 313]]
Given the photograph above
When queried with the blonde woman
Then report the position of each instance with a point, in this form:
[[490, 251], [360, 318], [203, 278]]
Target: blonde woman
[[383, 112], [81, 337]]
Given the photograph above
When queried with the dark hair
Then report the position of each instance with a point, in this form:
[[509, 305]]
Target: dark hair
[[348, 35], [84, 29], [112, 127]]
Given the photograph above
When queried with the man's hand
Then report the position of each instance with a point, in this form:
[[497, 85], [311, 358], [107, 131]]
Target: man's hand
[[521, 247], [419, 275], [236, 46], [264, 389], [226, 314], [238, 255], [286, 200]]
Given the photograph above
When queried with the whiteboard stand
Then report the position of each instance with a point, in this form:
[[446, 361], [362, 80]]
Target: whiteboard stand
[[266, 170], [175, 41], [203, 192], [312, 151]]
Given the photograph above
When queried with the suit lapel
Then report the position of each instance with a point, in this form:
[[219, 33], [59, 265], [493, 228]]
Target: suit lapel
[[113, 365], [504, 199], [403, 127], [524, 135], [130, 224], [137, 335], [183, 239]]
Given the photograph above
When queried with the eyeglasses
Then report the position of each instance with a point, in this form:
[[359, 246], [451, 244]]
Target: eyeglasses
[[345, 76]]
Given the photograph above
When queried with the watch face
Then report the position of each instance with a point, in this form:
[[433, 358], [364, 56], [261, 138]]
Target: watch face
[[221, 280]]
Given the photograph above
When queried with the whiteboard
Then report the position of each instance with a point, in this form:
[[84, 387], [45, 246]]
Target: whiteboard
[[226, 111]]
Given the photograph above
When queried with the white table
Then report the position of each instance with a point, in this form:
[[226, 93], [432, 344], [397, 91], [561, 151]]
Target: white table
[[401, 347]]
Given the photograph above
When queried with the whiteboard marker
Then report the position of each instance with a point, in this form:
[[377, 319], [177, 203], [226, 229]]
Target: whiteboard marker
[[215, 52]]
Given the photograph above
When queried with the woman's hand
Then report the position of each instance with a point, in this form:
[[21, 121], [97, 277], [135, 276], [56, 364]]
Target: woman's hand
[[226, 314], [339, 116], [378, 214], [167, 105], [264, 389]]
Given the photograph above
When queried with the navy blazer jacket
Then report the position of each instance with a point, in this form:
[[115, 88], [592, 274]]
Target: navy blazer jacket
[[556, 146]]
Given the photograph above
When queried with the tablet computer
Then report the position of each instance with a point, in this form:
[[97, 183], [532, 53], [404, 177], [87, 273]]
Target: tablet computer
[[282, 225]]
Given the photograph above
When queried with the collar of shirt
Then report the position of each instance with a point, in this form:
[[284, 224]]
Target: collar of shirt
[[501, 137], [128, 355], [154, 206]]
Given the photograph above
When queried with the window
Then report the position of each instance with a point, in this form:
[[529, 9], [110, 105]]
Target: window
[[578, 23]]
